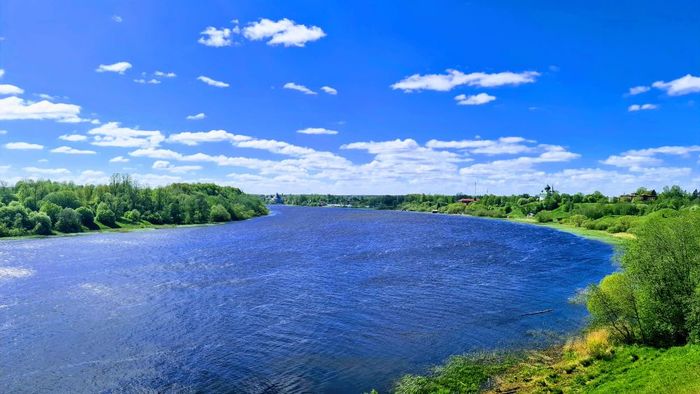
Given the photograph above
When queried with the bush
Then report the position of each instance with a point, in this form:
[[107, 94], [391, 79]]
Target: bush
[[42, 223], [64, 199], [577, 220], [87, 217], [544, 217], [105, 215], [68, 221], [219, 214], [655, 300], [52, 210], [134, 216]]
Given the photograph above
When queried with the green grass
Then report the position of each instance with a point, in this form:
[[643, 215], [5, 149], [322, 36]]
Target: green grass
[[624, 369], [460, 374], [616, 239]]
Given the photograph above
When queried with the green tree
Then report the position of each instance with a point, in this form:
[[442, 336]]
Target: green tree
[[51, 209], [64, 199], [219, 214], [105, 215], [87, 217], [42, 223], [134, 216], [68, 221]]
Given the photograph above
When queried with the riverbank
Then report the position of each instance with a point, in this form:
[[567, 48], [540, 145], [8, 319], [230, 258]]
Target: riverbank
[[615, 239]]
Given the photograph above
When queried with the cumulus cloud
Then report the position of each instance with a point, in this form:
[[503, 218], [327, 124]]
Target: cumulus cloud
[[477, 99], [679, 87], [119, 67], [15, 108], [454, 78], [500, 146], [282, 32], [72, 151], [637, 159], [166, 166], [47, 171], [638, 90], [297, 87], [213, 37], [73, 137], [163, 74], [23, 146], [6, 90], [117, 18], [317, 130], [119, 159], [212, 82], [112, 134], [2, 73], [641, 107], [195, 138], [151, 81], [198, 116], [329, 90]]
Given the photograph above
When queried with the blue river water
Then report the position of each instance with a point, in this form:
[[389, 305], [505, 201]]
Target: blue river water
[[305, 300]]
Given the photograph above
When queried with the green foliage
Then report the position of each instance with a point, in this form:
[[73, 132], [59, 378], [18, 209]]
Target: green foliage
[[42, 223], [460, 374], [134, 216], [219, 214], [544, 217], [105, 215], [63, 198], [52, 210], [68, 221], [122, 197], [655, 300], [87, 217]]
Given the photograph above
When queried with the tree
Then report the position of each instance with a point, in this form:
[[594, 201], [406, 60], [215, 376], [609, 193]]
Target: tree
[[42, 223], [68, 221], [134, 216], [105, 215], [64, 199], [52, 210], [219, 214], [87, 217]]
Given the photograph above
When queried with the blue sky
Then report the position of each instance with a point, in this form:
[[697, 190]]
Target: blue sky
[[380, 97]]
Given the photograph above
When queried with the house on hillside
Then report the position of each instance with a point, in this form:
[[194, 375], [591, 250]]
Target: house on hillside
[[468, 200]]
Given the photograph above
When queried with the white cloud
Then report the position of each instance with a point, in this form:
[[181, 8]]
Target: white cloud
[[72, 151], [15, 108], [212, 82], [119, 67], [23, 146], [641, 158], [3, 132], [213, 37], [638, 90], [681, 86], [317, 130], [283, 32], [329, 90], [166, 166], [117, 18], [642, 107], [477, 99], [198, 116], [163, 74], [195, 138], [47, 171], [454, 78], [500, 146], [111, 134], [6, 89], [73, 137], [151, 81], [119, 159], [297, 87], [2, 73]]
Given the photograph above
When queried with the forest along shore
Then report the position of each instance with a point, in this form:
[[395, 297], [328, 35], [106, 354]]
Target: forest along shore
[[42, 208]]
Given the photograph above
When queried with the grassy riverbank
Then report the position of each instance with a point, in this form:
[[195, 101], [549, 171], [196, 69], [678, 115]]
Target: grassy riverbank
[[590, 364]]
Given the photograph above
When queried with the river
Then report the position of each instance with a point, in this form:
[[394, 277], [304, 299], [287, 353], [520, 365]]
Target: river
[[304, 300]]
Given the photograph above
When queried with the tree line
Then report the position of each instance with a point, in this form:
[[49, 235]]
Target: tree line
[[43, 207]]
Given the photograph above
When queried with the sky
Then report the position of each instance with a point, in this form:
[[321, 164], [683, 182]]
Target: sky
[[372, 97]]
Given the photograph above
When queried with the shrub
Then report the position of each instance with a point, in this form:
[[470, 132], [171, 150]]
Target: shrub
[[68, 221], [42, 223], [577, 220], [87, 217], [64, 199], [105, 215], [134, 216], [544, 217], [52, 210], [219, 214]]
